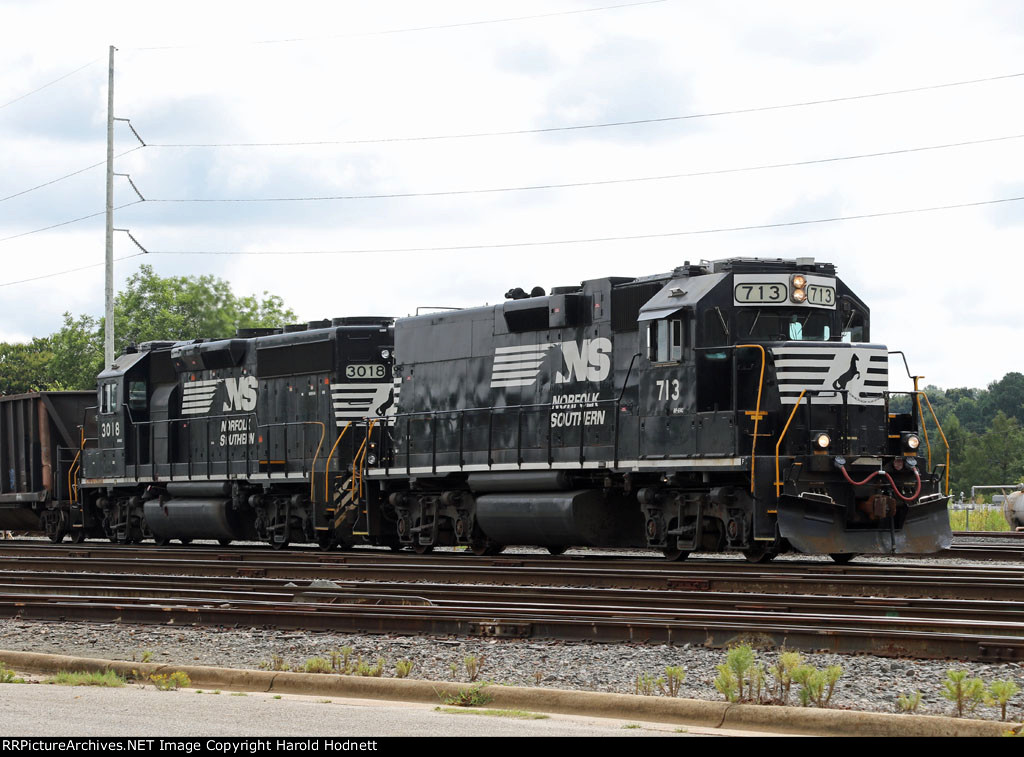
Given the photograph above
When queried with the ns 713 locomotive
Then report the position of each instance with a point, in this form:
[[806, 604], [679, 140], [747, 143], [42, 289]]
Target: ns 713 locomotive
[[737, 405]]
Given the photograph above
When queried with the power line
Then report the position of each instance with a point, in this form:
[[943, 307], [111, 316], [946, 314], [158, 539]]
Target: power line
[[604, 125], [66, 223], [592, 240], [70, 270], [66, 176], [49, 84], [597, 182], [405, 30]]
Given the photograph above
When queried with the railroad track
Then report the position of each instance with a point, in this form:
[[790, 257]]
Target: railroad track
[[963, 629], [907, 610], [881, 579]]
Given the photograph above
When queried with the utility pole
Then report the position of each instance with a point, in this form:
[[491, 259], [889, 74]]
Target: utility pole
[[108, 331]]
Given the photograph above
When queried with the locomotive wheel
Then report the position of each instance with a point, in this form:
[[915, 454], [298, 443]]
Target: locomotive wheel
[[57, 531], [224, 542], [675, 555], [422, 549], [841, 558], [482, 549], [560, 549], [759, 555], [161, 541], [279, 544], [326, 542], [77, 535], [185, 542]]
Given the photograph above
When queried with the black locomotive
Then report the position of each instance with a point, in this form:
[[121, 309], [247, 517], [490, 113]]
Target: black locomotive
[[261, 437], [736, 405]]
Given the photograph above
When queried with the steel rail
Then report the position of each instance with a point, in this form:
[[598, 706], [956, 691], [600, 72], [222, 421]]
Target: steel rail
[[704, 575]]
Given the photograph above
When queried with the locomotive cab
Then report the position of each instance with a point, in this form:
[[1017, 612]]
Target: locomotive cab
[[784, 347]]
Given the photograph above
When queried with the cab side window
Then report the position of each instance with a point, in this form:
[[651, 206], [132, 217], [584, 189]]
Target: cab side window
[[665, 340], [853, 327], [108, 398]]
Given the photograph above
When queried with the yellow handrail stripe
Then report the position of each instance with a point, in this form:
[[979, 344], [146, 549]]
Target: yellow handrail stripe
[[758, 414], [778, 481], [362, 461], [312, 475], [941, 433], [327, 469]]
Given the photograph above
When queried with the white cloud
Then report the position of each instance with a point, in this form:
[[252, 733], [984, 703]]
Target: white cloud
[[940, 284]]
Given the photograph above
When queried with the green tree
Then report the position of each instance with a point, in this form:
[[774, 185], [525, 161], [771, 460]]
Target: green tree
[[152, 307], [996, 456], [77, 352], [26, 367]]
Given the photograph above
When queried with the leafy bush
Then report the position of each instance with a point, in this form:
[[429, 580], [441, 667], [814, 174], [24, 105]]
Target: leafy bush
[[908, 702], [999, 694], [672, 682], [171, 682], [316, 665], [966, 693], [474, 696]]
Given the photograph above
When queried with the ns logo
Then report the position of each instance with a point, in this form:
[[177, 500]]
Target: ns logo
[[519, 365], [588, 361], [241, 393]]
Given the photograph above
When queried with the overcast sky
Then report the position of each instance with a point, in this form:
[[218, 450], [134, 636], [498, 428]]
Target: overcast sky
[[371, 77]]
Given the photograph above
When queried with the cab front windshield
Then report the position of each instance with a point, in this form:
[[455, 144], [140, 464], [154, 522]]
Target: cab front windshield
[[785, 324]]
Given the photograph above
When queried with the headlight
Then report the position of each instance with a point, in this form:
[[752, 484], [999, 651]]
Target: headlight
[[823, 440], [798, 288], [913, 441]]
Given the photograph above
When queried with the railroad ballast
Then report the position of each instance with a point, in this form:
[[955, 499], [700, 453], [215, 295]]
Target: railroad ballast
[[737, 405]]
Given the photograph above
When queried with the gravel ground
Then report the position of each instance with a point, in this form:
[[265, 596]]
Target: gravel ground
[[868, 683]]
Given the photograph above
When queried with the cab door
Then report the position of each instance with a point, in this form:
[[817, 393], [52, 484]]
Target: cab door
[[110, 426], [667, 387]]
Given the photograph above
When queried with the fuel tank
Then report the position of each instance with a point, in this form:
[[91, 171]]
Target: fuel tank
[[582, 518], [181, 518]]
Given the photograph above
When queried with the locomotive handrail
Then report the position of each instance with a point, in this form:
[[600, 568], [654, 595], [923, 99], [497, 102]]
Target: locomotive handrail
[[757, 410], [312, 473], [941, 433], [207, 419], [918, 394], [73, 490], [359, 459], [327, 467], [778, 445], [460, 413]]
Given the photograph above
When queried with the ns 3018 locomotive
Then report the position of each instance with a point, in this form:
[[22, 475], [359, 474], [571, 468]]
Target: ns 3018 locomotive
[[737, 405]]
